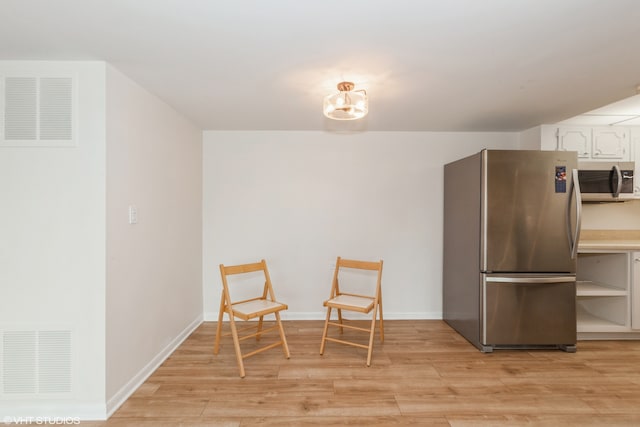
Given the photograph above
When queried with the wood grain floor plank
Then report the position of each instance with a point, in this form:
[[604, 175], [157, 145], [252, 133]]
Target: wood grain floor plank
[[141, 407], [297, 406], [364, 421], [492, 403], [543, 420]]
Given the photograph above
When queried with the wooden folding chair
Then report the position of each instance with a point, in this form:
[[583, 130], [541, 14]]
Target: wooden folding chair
[[355, 303], [247, 309]]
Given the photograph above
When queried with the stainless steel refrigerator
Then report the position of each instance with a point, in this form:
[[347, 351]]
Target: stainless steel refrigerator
[[511, 229]]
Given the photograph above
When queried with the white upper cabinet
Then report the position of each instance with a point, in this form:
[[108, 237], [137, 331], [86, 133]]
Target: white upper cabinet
[[610, 142], [574, 139], [595, 143]]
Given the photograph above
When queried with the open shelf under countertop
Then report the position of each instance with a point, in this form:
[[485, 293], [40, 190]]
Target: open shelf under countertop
[[589, 288], [587, 322]]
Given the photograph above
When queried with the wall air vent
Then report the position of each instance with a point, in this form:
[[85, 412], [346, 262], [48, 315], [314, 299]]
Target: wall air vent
[[35, 362], [21, 106], [55, 108], [37, 111], [19, 362]]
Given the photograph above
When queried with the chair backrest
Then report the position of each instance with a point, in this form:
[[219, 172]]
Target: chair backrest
[[231, 270], [342, 264]]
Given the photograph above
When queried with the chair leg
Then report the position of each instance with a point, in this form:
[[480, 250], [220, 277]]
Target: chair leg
[[283, 338], [381, 321], [216, 347], [259, 328], [340, 320], [371, 335], [236, 344], [324, 331]]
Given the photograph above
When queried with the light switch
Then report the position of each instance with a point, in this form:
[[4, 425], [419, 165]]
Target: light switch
[[133, 214]]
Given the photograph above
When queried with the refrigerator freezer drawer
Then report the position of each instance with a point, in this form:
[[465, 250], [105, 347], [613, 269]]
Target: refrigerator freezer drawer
[[521, 311]]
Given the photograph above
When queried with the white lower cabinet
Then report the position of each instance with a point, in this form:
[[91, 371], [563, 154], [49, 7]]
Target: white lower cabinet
[[635, 291], [603, 294]]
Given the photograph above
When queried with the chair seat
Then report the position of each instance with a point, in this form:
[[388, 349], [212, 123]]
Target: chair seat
[[256, 308], [351, 302]]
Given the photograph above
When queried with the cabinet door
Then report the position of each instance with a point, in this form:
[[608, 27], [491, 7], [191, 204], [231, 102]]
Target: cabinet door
[[610, 143], [635, 292], [575, 139]]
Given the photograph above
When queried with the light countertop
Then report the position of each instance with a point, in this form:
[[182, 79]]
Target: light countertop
[[625, 240]]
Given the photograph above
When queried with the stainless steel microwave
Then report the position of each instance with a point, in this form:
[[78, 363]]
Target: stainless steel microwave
[[606, 181]]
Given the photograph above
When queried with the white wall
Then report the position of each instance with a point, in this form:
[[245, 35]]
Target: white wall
[[299, 199], [52, 243], [530, 139], [154, 270], [611, 216]]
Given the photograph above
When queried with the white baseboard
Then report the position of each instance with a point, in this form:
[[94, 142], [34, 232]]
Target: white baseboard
[[132, 385]]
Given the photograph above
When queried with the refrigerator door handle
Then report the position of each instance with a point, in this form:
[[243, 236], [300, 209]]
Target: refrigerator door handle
[[616, 192], [531, 280], [574, 237]]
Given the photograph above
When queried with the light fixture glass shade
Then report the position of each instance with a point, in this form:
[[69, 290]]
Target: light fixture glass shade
[[347, 104]]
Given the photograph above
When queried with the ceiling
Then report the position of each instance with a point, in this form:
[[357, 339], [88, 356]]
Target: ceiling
[[621, 113], [448, 65]]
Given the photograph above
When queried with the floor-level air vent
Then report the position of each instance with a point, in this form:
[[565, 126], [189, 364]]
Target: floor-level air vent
[[36, 362]]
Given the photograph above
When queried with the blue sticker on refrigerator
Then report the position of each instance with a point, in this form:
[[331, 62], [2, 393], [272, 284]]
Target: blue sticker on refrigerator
[[561, 179]]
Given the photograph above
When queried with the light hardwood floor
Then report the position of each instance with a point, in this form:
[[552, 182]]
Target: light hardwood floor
[[423, 374]]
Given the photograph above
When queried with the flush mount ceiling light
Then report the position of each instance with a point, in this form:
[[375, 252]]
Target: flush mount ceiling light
[[347, 104]]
